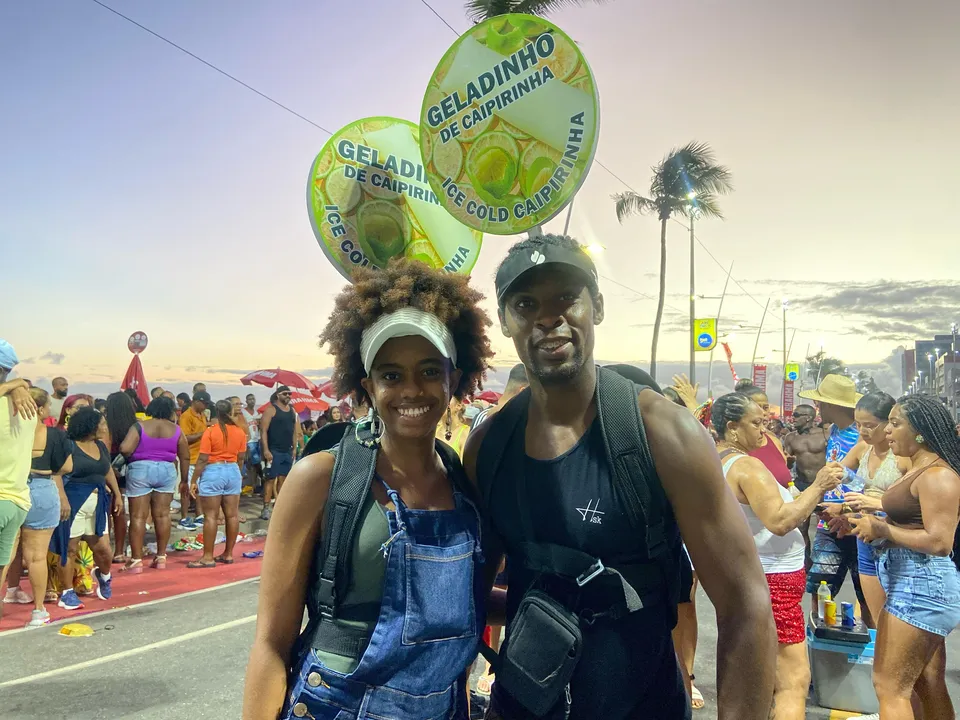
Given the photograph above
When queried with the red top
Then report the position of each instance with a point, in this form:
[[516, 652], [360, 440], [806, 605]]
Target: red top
[[774, 461]]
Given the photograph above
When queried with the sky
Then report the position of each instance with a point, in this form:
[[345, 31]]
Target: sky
[[142, 190]]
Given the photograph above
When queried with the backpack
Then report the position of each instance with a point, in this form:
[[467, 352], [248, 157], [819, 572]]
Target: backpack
[[353, 474], [654, 573]]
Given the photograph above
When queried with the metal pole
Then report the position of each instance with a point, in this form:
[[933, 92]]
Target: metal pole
[[719, 310], [783, 379], [803, 367], [535, 231], [693, 305], [566, 225], [759, 330]]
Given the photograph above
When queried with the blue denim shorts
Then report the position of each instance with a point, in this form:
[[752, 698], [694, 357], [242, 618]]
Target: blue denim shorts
[[867, 558], [150, 476], [220, 479], [253, 453], [280, 467], [44, 504], [922, 590]]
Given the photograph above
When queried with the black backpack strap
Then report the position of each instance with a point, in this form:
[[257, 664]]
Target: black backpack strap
[[501, 426], [630, 458], [352, 475]]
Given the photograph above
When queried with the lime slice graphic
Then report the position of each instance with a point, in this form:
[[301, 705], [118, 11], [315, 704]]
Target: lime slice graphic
[[383, 230], [565, 58], [423, 251], [324, 164], [448, 159], [492, 165], [536, 167], [514, 131], [341, 191], [375, 124], [503, 37]]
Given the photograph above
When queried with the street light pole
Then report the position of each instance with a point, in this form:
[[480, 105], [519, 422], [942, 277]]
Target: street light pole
[[693, 298], [783, 379], [759, 330]]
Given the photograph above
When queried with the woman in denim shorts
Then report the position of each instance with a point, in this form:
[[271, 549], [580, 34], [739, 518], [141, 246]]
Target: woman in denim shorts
[[51, 460], [217, 482], [921, 580], [152, 448]]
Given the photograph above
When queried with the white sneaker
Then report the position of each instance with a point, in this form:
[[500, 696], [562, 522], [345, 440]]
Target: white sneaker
[[175, 505], [38, 618], [874, 716], [17, 596]]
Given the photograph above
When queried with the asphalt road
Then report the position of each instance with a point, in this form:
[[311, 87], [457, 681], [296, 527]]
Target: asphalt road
[[185, 657]]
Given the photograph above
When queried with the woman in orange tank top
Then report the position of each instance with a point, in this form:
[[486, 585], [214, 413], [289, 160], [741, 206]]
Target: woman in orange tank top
[[921, 580]]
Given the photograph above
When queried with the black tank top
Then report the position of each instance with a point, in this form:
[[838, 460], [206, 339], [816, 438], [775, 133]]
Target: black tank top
[[280, 433], [628, 667], [88, 470]]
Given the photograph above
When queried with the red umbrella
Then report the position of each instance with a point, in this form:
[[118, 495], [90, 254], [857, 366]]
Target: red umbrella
[[488, 396], [269, 378], [135, 379], [302, 402]]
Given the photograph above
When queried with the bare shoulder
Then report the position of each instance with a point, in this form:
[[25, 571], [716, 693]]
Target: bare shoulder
[[308, 485], [471, 448], [943, 481], [668, 426]]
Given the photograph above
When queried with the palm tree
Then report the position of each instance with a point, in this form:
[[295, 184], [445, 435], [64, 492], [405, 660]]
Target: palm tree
[[687, 181], [478, 10], [820, 365]]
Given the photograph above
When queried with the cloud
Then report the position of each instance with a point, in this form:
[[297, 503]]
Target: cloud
[[889, 310], [52, 357]]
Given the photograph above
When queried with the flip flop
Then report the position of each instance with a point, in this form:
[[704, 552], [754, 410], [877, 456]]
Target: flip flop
[[196, 565], [696, 698], [254, 554], [135, 567], [222, 560], [484, 685]]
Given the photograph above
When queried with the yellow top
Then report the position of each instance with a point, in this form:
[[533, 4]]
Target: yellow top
[[16, 449]]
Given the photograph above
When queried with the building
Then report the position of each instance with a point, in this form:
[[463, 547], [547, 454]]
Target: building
[[926, 355], [908, 369], [948, 382]]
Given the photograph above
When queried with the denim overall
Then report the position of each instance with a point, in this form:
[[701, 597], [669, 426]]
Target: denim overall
[[430, 623]]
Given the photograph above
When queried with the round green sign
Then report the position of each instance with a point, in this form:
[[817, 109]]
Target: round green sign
[[369, 200], [509, 124]]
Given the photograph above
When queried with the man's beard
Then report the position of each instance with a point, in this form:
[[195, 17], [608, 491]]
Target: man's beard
[[558, 374], [59, 394]]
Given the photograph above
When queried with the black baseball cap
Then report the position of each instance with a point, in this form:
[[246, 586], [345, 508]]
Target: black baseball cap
[[519, 263], [202, 396]]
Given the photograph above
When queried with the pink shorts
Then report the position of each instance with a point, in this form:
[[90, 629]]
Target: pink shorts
[[786, 594]]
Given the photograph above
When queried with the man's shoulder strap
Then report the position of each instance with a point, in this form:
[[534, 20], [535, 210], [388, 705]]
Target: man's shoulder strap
[[628, 452], [500, 428], [352, 475]]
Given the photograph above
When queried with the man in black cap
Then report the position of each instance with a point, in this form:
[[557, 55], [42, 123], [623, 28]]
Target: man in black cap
[[556, 454]]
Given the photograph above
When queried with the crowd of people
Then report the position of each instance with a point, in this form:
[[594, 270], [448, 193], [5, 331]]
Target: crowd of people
[[576, 517]]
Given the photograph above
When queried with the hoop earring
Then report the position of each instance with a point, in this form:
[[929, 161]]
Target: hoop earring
[[449, 433], [369, 430], [920, 439]]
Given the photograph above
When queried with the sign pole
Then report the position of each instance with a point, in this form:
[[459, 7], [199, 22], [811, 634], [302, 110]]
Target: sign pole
[[719, 310], [566, 225]]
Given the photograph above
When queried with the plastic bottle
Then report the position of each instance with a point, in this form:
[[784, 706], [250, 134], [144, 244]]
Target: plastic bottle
[[823, 596], [792, 487]]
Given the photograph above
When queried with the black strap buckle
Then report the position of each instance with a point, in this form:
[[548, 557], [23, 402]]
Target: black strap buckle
[[326, 599], [590, 573]]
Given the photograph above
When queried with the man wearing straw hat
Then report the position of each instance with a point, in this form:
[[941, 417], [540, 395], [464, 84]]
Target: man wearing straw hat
[[836, 397]]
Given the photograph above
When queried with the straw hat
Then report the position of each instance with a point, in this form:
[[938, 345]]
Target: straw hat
[[835, 390]]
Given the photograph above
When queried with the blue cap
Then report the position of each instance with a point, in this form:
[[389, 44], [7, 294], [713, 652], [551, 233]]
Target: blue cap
[[8, 358]]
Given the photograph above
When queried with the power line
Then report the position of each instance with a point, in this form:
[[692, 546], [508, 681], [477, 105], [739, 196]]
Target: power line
[[441, 18], [212, 66]]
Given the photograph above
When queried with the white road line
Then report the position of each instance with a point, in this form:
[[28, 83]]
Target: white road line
[[83, 617], [129, 653]]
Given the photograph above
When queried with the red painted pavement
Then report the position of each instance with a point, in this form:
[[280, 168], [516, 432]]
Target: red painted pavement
[[130, 590]]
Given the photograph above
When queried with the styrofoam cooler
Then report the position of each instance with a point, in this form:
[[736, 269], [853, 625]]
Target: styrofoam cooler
[[843, 674]]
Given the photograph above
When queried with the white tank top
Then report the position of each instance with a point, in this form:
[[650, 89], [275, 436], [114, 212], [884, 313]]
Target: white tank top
[[777, 554]]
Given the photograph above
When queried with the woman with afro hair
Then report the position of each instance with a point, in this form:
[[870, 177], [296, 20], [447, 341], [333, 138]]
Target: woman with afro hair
[[404, 340]]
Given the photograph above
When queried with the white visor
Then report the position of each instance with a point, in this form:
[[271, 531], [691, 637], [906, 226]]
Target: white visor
[[404, 323]]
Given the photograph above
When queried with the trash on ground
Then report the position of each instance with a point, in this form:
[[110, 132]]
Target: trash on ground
[[76, 630]]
